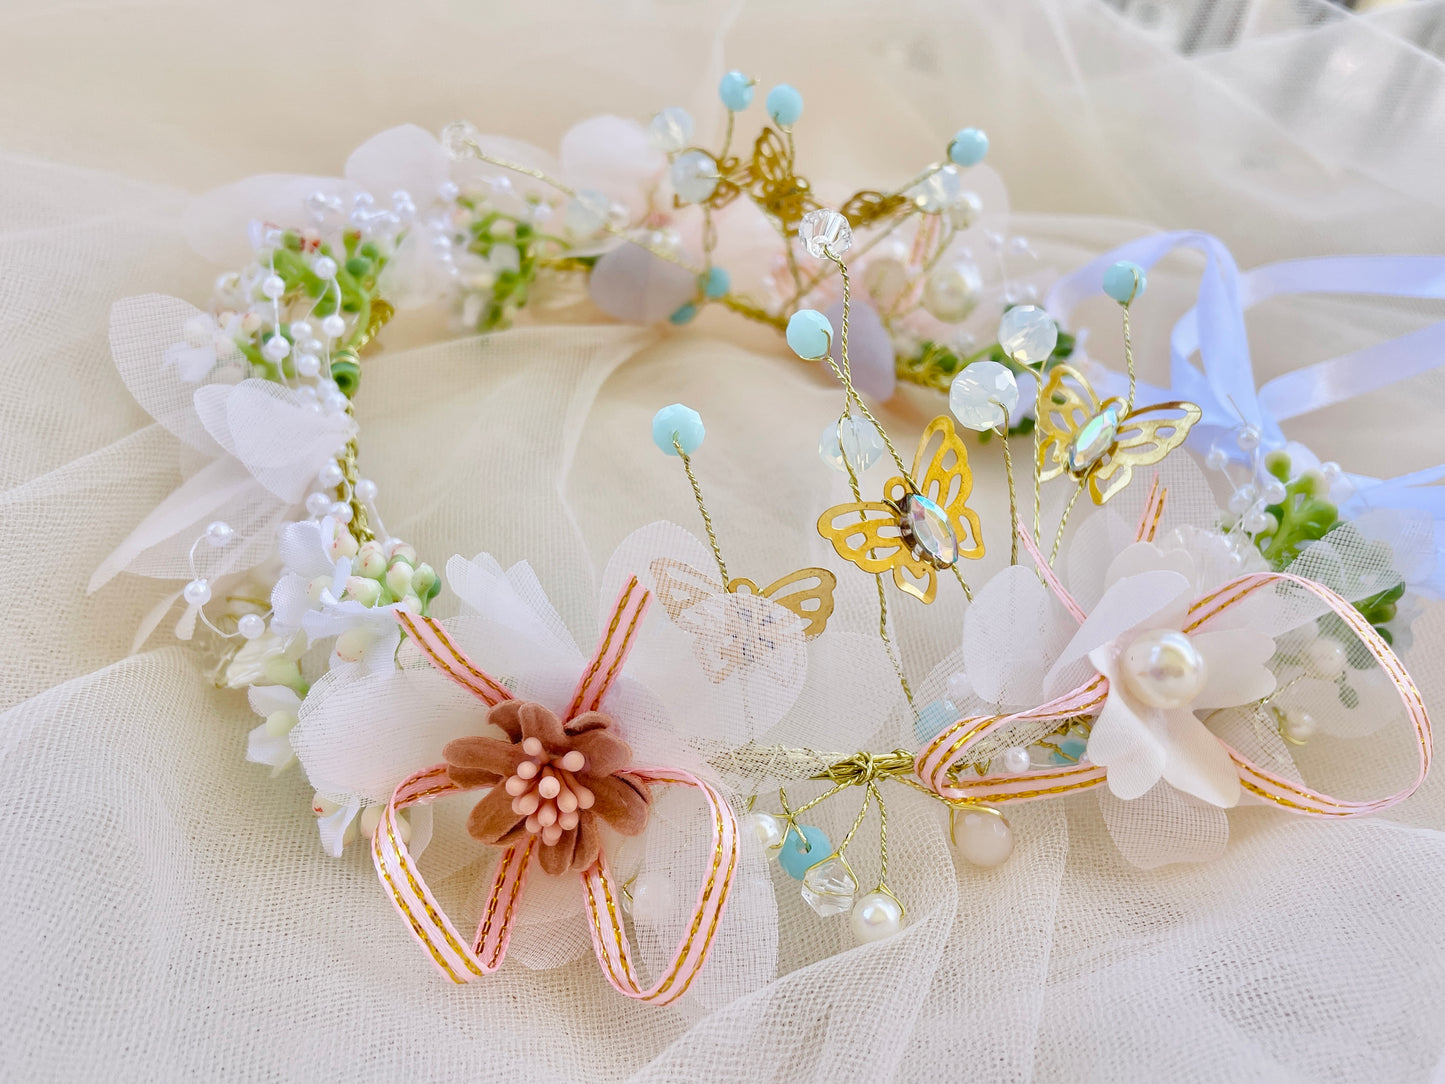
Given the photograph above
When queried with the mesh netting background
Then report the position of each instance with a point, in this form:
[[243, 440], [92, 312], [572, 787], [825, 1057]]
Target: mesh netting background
[[168, 913]]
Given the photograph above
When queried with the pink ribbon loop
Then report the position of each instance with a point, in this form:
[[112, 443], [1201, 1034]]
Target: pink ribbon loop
[[461, 961], [936, 760]]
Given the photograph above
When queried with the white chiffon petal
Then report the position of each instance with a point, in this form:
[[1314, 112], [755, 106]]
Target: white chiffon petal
[[1011, 632], [332, 827], [265, 699], [263, 747], [1127, 603], [1197, 762], [406, 157], [1127, 748], [614, 156], [1234, 663], [1143, 557]]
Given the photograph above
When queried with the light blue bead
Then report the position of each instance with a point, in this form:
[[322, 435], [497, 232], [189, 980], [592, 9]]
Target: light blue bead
[[681, 422], [809, 334], [716, 282], [1070, 749], [1125, 281], [684, 314], [785, 104], [736, 91], [797, 855], [968, 147], [932, 718]]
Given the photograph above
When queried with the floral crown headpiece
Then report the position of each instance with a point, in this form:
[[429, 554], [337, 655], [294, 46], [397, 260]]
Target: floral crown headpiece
[[1170, 654]]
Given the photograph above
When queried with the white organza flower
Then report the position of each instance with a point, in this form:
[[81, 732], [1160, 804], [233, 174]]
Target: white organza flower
[[262, 445], [309, 551], [270, 743], [1149, 590]]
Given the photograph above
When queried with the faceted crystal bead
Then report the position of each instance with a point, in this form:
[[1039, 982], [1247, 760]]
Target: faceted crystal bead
[[694, 176], [1027, 334], [983, 395], [927, 532], [964, 211], [825, 233], [458, 137], [858, 437], [937, 192], [587, 212], [829, 888], [1095, 437], [951, 292], [671, 129]]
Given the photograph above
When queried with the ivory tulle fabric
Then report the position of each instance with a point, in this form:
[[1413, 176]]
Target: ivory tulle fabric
[[166, 911]]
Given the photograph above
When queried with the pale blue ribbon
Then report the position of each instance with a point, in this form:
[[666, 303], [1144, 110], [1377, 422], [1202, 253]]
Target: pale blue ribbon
[[1223, 383]]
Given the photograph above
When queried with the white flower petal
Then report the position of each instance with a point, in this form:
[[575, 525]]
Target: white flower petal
[[263, 747], [406, 157], [290, 602], [1146, 557], [303, 551], [1127, 747], [1234, 662], [613, 156], [1197, 762], [266, 699], [217, 223], [1126, 604], [333, 826], [1011, 632]]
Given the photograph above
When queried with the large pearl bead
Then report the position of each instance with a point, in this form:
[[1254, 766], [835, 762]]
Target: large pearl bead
[[766, 828], [983, 837], [1163, 669], [876, 916]]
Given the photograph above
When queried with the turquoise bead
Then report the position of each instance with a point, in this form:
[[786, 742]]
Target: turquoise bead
[[1071, 749], [716, 282], [678, 421], [1125, 281], [809, 334], [798, 854], [684, 314], [968, 147], [785, 105], [932, 718], [736, 91]]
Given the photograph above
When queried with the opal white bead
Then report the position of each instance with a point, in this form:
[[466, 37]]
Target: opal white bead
[[587, 212], [1163, 669], [964, 211], [983, 837], [874, 917], [984, 395], [766, 829], [1027, 334], [694, 176], [1326, 658], [670, 130], [951, 292], [885, 279]]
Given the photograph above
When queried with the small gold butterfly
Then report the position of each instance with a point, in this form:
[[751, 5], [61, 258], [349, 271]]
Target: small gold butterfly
[[922, 524], [1103, 442], [742, 633]]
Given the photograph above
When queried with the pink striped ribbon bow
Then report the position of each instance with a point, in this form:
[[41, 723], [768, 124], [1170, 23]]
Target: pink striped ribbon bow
[[462, 961], [935, 760]]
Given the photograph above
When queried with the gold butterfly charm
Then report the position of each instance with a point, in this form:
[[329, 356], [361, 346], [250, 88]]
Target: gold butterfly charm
[[1103, 442], [748, 631], [922, 524]]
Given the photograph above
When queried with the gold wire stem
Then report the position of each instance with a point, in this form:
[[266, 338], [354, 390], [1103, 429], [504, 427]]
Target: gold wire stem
[[1063, 520], [727, 138], [1128, 360], [830, 268], [882, 839], [1013, 500], [702, 508], [857, 821], [957, 575]]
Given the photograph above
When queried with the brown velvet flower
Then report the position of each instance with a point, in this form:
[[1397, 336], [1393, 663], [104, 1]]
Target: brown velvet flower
[[551, 780]]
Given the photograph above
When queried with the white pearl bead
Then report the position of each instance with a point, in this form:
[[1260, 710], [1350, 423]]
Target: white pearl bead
[[341, 512], [983, 837], [1216, 459], [219, 533], [1330, 471], [876, 916], [1326, 658], [1163, 668], [251, 626], [276, 348], [273, 286], [198, 592], [653, 900], [951, 292], [1299, 725], [1016, 760], [330, 475], [366, 490], [1242, 499], [333, 326], [308, 365], [324, 268], [1247, 439], [335, 401], [318, 503], [766, 828], [300, 330], [1273, 491]]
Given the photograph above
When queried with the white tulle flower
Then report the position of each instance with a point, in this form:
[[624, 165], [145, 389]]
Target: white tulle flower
[[270, 743]]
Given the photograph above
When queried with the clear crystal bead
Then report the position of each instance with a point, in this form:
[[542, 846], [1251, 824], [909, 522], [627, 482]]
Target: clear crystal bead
[[858, 436], [964, 211], [825, 233], [587, 212], [694, 176], [937, 192], [458, 137], [829, 888], [1027, 334], [671, 129], [983, 395]]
